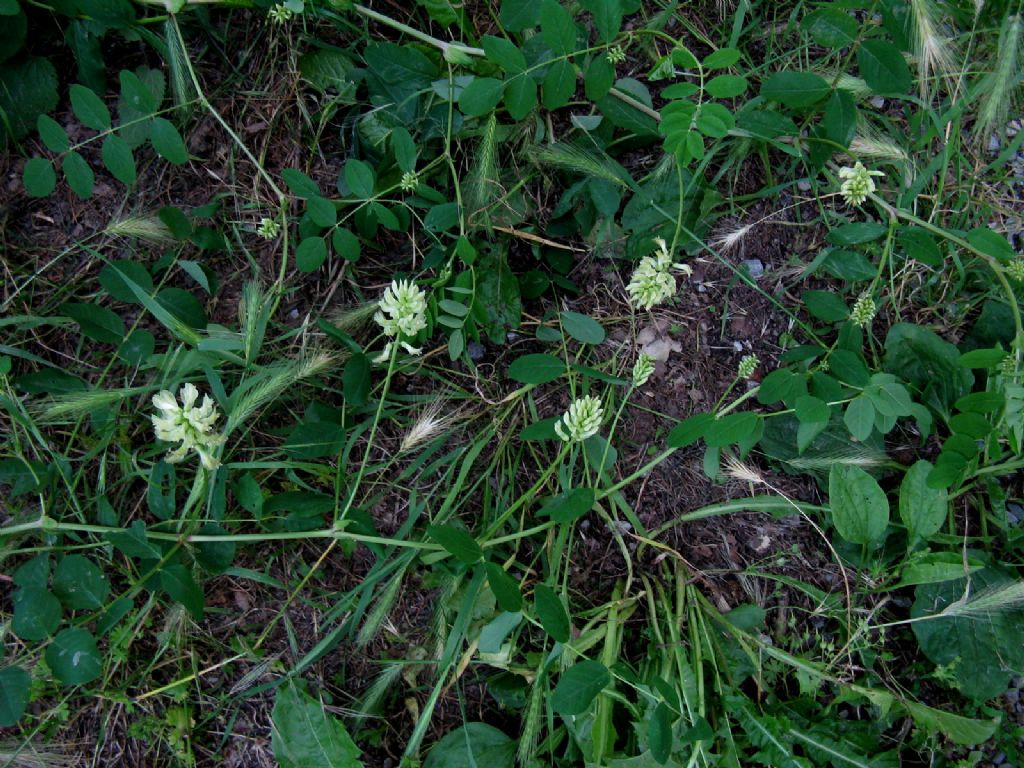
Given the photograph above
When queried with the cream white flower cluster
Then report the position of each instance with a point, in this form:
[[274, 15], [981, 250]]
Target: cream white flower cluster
[[857, 183], [652, 281], [188, 424], [642, 369], [401, 314], [582, 420]]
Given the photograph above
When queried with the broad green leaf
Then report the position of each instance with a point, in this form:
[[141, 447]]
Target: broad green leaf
[[722, 58], [303, 734], [517, 15], [37, 613], [726, 86], [480, 96], [560, 84], [328, 70], [355, 379], [14, 690], [730, 429], [112, 278], [520, 96], [493, 634], [300, 184], [579, 686], [177, 582], [311, 254], [346, 244], [28, 88], [97, 323], [607, 17], [798, 90], [860, 418], [53, 134], [690, 430], [883, 68], [598, 79], [923, 509], [831, 27], [315, 440], [79, 175], [168, 142], [536, 369], [505, 588], [981, 645], [825, 305], [134, 542], [456, 542], [73, 656], [321, 211], [14, 29], [473, 745], [956, 728], [79, 583], [360, 178], [39, 177], [860, 511], [840, 118], [557, 27], [404, 148], [569, 506], [504, 53], [89, 108], [582, 327], [551, 613], [117, 156], [659, 733]]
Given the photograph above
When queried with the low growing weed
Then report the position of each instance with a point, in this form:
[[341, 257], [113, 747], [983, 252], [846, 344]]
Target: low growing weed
[[601, 383]]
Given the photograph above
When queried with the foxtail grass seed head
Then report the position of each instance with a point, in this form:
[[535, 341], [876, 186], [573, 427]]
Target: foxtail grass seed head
[[281, 13], [1008, 366], [401, 314], [149, 228], [863, 311], [582, 420], [857, 183], [642, 369], [652, 281], [268, 228], [188, 424], [748, 364], [615, 55], [409, 181], [1015, 269]]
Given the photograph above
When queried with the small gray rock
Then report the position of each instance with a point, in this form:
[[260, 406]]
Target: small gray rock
[[877, 102], [755, 267], [476, 351]]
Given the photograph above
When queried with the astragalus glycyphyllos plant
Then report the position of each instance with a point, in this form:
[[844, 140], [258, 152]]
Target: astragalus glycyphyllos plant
[[401, 314], [191, 426], [652, 281]]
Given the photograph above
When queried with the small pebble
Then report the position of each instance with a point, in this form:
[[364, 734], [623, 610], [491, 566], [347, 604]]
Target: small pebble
[[476, 351], [755, 267], [738, 346], [803, 186], [877, 102], [993, 143], [1014, 513]]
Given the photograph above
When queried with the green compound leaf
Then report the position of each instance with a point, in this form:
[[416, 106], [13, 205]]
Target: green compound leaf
[[53, 134], [177, 582], [73, 656], [303, 734], [480, 96], [922, 508], [473, 745], [311, 253]]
